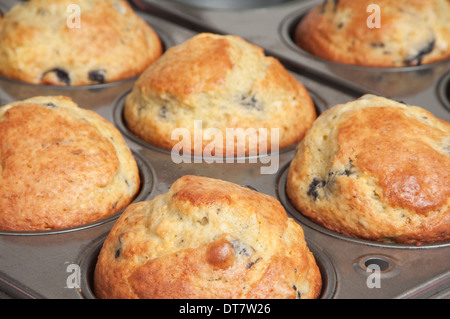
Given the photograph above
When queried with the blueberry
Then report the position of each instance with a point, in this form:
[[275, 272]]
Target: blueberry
[[314, 187], [241, 248], [61, 74], [250, 264], [118, 250], [141, 108], [334, 4], [97, 76], [348, 169], [298, 294], [163, 112], [251, 187], [251, 102], [417, 58]]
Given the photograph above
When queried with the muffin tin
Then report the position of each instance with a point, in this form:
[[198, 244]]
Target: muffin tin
[[60, 263]]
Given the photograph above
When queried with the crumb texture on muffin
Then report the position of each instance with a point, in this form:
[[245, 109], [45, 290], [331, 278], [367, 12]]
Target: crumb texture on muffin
[[411, 32], [61, 166], [224, 82], [206, 238], [40, 44], [375, 169]]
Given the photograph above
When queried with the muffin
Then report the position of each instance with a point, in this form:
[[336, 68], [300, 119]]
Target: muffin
[[206, 238], [375, 169], [75, 42], [61, 166], [411, 32], [212, 83]]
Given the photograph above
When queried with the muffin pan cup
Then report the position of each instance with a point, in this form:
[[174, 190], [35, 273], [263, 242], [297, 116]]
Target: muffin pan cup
[[60, 264]]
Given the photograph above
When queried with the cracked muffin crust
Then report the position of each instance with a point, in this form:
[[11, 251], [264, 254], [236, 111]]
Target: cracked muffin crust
[[375, 169], [61, 166], [412, 32], [206, 238], [39, 44], [224, 82]]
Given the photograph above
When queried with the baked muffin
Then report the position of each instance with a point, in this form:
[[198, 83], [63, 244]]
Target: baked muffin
[[375, 169], [60, 166], [218, 82], [41, 42], [206, 238], [411, 32]]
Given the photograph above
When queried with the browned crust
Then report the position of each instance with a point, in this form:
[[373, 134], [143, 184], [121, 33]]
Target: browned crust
[[58, 169], [246, 247], [391, 147]]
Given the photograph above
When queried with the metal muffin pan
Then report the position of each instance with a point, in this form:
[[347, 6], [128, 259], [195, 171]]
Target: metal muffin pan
[[59, 264]]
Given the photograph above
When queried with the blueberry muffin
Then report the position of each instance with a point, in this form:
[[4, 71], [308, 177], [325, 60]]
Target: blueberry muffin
[[206, 238], [218, 82], [375, 169], [61, 166], [412, 32], [75, 42]]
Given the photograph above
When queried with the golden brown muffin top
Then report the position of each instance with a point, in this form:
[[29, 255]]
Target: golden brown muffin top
[[199, 66], [206, 238]]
